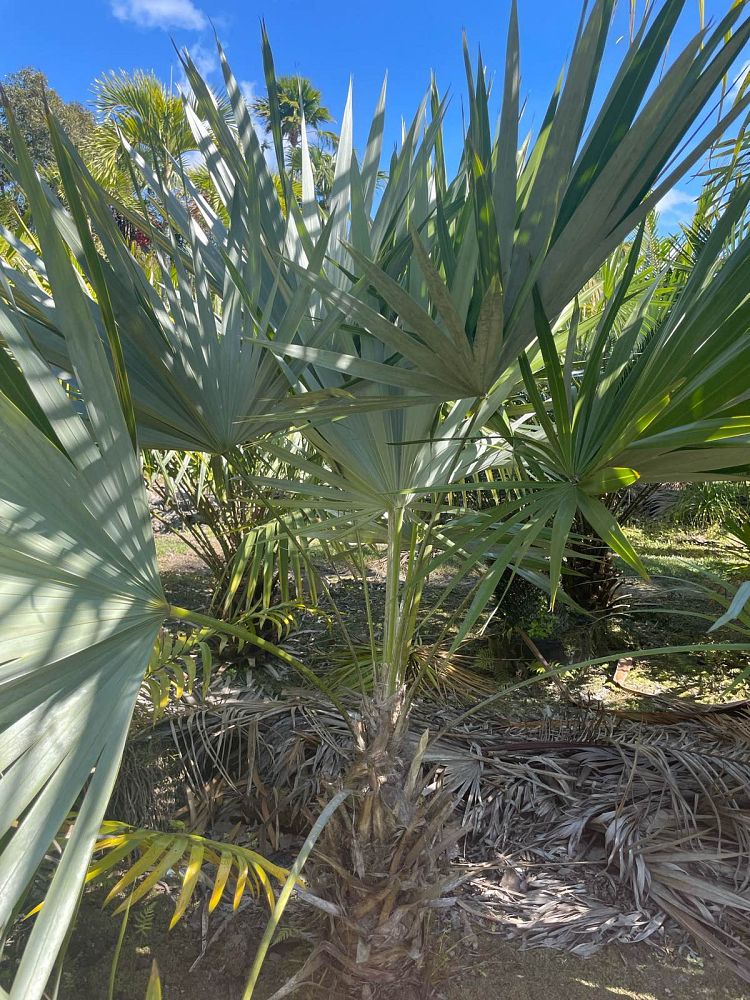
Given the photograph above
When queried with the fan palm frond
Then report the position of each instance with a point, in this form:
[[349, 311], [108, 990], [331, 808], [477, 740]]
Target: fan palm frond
[[81, 604], [81, 601]]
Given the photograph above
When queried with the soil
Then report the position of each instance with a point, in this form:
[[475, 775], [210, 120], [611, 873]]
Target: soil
[[489, 968]]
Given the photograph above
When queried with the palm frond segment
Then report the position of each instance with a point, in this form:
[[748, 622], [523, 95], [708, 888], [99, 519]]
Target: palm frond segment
[[148, 856]]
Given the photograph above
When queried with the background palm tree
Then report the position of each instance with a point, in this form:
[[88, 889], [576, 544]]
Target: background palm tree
[[296, 97], [323, 165], [148, 115]]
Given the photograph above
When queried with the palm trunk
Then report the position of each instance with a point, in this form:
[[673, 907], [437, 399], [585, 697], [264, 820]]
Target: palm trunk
[[382, 861], [594, 579], [383, 856], [389, 675]]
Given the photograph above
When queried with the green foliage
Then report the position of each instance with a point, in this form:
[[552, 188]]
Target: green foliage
[[153, 988], [26, 91], [706, 505], [176, 662], [140, 108], [143, 921], [521, 603], [323, 164], [232, 524], [164, 315], [80, 601]]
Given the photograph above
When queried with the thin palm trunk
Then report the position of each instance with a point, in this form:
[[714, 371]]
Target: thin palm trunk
[[389, 677], [382, 860]]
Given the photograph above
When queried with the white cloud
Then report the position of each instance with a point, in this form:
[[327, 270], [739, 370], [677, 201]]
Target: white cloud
[[677, 205], [739, 80], [206, 59], [160, 13]]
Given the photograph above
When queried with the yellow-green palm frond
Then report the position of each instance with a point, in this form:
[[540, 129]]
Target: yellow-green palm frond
[[153, 988], [200, 177], [174, 666], [296, 189], [141, 109], [150, 855], [149, 116]]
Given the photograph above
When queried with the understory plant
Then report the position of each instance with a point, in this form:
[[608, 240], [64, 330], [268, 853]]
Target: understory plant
[[706, 505], [257, 563]]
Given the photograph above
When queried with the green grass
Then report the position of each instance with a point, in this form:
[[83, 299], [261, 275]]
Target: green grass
[[678, 552], [185, 578], [662, 611], [170, 546]]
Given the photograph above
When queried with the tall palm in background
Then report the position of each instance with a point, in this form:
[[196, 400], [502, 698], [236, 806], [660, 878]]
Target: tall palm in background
[[297, 101], [323, 164]]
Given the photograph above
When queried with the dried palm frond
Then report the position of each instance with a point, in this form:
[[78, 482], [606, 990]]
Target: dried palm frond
[[435, 671], [667, 810], [273, 759], [625, 823], [574, 908], [731, 720]]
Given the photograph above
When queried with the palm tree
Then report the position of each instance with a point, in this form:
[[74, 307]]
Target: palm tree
[[323, 166], [449, 290], [152, 120], [297, 99]]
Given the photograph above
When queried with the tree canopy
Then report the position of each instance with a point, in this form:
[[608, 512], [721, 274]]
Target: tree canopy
[[27, 90]]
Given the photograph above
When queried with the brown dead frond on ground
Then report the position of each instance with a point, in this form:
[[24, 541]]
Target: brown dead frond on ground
[[665, 812], [575, 832]]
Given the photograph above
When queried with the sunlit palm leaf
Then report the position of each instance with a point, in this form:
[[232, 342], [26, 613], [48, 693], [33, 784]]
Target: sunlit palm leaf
[[174, 340], [667, 404], [458, 277], [80, 605]]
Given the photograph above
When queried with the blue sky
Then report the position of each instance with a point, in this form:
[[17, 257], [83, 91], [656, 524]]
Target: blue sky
[[74, 41]]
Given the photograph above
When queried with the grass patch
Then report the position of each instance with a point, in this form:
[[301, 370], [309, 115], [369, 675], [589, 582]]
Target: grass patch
[[682, 553], [171, 546]]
